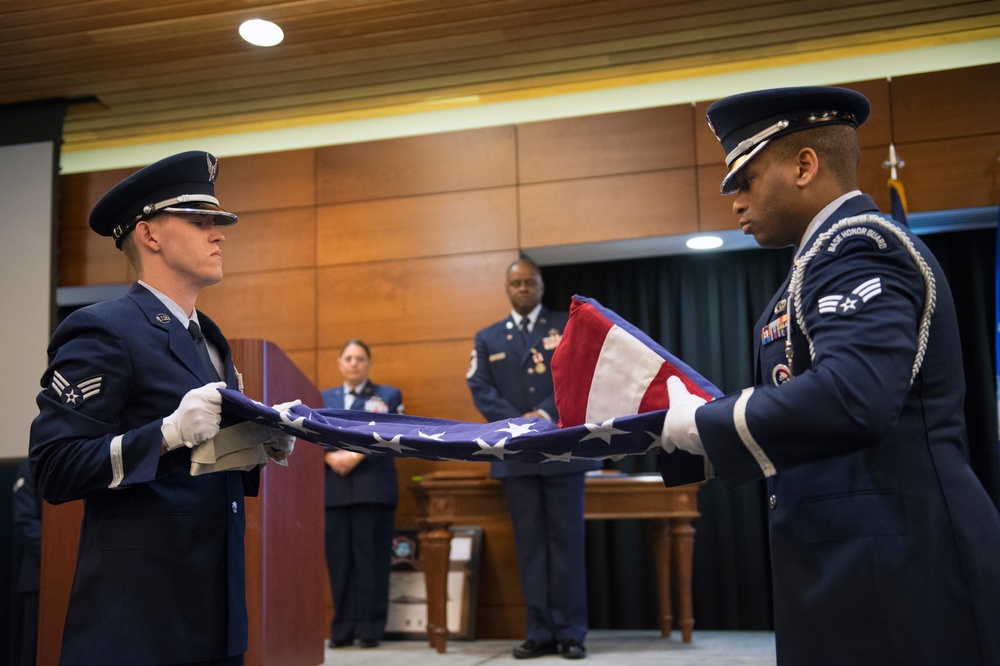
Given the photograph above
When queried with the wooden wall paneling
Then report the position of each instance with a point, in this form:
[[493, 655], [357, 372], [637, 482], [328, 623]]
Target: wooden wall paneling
[[305, 361], [611, 143], [873, 178], [410, 300], [715, 210], [952, 173], [430, 373], [85, 258], [270, 240], [608, 208], [279, 306], [78, 192], [877, 130], [420, 226], [953, 103], [447, 162], [263, 182]]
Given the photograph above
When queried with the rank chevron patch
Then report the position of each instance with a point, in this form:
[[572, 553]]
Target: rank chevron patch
[[849, 304], [76, 394]]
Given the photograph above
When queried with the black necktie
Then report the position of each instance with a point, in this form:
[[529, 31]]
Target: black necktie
[[523, 326], [202, 347], [356, 401]]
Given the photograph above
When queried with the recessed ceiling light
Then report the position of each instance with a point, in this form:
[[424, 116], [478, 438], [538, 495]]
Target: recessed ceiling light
[[261, 33], [704, 242]]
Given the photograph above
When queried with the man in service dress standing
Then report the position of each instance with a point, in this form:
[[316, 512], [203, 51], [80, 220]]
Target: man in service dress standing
[[510, 377], [883, 542], [132, 384]]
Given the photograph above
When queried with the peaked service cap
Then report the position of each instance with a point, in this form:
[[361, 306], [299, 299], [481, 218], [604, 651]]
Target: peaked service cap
[[181, 183], [747, 122]]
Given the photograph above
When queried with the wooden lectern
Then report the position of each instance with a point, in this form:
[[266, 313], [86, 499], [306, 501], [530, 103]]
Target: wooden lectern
[[284, 535]]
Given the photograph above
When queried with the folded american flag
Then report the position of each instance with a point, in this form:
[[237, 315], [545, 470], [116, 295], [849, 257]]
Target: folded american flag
[[405, 436], [605, 367], [609, 377]]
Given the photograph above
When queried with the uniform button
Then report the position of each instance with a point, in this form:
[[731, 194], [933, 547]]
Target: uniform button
[[531, 371], [773, 501], [234, 506], [531, 389]]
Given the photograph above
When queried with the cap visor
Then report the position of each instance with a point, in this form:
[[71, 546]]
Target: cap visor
[[224, 216]]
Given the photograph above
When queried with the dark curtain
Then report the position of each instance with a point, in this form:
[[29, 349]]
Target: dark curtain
[[702, 308]]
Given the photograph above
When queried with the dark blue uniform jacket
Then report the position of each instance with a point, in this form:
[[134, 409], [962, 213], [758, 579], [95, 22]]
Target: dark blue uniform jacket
[[160, 568]]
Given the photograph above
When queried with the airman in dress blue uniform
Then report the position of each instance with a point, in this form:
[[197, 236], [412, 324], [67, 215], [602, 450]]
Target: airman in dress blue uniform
[[160, 568], [509, 376], [884, 544], [361, 497]]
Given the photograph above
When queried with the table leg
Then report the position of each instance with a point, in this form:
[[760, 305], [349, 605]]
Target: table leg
[[683, 540], [661, 549], [435, 548]]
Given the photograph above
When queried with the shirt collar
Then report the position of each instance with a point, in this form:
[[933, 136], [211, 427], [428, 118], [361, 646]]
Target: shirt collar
[[358, 389], [821, 217], [532, 316]]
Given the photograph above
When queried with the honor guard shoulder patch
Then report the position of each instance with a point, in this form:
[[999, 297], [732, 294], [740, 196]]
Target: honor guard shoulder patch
[[846, 305], [873, 236], [75, 394]]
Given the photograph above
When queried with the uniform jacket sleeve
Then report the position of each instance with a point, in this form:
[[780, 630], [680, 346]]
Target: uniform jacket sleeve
[[485, 392], [78, 445], [849, 395]]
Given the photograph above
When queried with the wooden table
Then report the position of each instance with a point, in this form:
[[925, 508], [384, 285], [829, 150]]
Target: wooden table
[[449, 498]]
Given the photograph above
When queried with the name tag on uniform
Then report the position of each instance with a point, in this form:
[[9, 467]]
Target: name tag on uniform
[[774, 330], [499, 356]]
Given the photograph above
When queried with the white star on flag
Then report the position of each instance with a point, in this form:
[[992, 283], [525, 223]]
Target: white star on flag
[[493, 449], [436, 437], [354, 447], [604, 431], [391, 443], [657, 442], [297, 423], [562, 457], [517, 429]]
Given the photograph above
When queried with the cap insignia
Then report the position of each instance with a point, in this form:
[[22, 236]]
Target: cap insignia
[[213, 167]]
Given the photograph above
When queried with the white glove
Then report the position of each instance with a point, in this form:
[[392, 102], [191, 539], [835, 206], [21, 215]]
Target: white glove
[[680, 431], [197, 418], [280, 446], [285, 406]]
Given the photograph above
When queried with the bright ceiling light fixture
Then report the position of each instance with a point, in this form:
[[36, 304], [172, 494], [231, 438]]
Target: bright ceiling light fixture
[[261, 33], [704, 242]]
